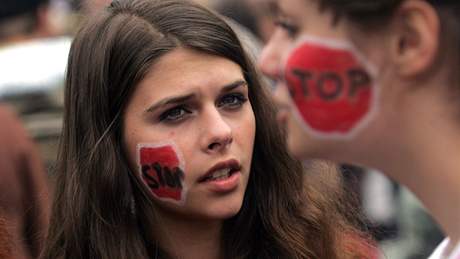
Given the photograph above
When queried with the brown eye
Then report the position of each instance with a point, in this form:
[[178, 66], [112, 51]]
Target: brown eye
[[174, 114], [232, 101], [291, 29]]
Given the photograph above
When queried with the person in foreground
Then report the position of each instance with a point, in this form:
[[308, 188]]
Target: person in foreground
[[171, 149], [375, 83]]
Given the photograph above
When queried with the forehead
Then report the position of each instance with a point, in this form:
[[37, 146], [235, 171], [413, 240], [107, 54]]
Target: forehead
[[311, 19], [183, 69], [295, 7]]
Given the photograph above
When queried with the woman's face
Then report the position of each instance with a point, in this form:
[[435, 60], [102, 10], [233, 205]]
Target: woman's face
[[323, 86], [189, 133], [297, 18]]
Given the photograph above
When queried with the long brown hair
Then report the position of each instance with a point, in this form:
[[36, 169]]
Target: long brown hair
[[99, 204]]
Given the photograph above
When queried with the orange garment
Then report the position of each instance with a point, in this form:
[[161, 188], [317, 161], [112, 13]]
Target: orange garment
[[24, 196]]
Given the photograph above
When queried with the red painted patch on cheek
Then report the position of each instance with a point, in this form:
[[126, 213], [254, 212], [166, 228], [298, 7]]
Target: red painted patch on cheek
[[161, 171], [330, 87]]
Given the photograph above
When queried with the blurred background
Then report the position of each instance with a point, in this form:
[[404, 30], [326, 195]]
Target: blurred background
[[35, 37]]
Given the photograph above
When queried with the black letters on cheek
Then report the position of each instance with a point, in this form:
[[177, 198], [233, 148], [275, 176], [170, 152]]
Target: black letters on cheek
[[334, 79], [303, 76], [178, 174], [169, 177], [358, 79], [158, 169], [151, 182], [166, 176]]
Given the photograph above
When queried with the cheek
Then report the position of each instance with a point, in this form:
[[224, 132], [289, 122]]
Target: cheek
[[281, 95], [332, 87], [296, 137], [134, 136], [246, 129], [162, 170]]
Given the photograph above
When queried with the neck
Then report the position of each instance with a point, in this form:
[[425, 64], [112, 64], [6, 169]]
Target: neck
[[434, 178], [421, 150], [187, 238]]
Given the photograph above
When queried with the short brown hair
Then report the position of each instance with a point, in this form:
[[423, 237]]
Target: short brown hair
[[369, 14]]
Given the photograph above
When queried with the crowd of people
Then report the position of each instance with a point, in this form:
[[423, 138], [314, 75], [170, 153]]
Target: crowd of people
[[231, 129]]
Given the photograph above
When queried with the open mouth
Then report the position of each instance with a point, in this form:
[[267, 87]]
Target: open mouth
[[221, 171], [219, 175]]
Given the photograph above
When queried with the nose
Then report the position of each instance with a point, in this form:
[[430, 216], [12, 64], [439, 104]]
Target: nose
[[270, 59], [217, 134]]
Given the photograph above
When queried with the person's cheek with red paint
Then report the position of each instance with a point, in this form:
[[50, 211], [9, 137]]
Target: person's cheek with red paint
[[162, 171], [330, 86]]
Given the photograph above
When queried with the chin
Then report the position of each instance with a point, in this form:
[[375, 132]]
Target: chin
[[222, 208], [208, 212], [207, 207], [225, 213], [218, 213], [225, 210]]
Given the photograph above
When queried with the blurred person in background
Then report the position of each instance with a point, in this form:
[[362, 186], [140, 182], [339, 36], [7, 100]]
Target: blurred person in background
[[258, 16], [378, 196], [375, 83], [24, 196], [24, 193], [265, 15], [23, 20], [5, 245], [33, 57]]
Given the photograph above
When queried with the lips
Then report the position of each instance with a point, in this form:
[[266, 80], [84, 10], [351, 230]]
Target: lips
[[220, 171]]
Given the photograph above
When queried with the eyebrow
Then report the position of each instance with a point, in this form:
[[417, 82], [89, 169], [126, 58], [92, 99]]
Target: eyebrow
[[236, 84], [187, 97], [280, 12]]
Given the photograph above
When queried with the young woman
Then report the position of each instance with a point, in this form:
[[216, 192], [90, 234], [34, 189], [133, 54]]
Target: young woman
[[375, 83], [171, 149]]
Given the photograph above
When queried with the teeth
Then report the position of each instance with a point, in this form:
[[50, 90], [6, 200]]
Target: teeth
[[220, 174]]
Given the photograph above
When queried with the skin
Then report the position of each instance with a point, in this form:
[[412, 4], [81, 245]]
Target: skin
[[92, 6], [414, 137], [263, 10], [215, 124], [307, 20]]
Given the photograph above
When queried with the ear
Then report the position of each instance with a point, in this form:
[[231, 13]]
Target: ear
[[415, 44]]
